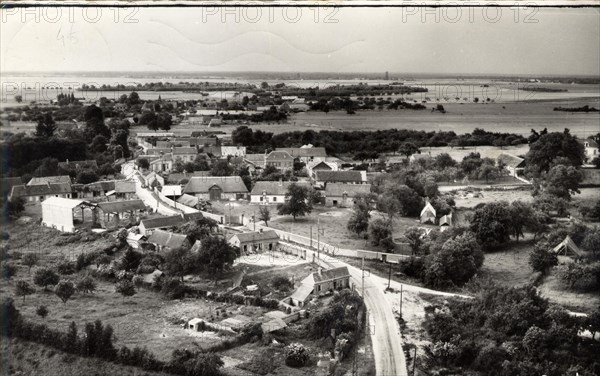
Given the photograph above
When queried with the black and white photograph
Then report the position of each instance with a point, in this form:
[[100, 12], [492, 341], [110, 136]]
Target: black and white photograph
[[325, 189]]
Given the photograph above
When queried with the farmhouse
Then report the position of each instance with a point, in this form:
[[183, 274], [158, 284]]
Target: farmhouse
[[38, 193], [279, 159], [512, 163], [319, 165], [167, 240], [184, 177], [271, 192], [96, 189], [322, 178], [342, 195], [226, 151], [185, 154], [256, 160], [306, 153], [163, 163], [428, 214], [321, 282], [57, 212], [124, 190], [255, 241], [216, 187]]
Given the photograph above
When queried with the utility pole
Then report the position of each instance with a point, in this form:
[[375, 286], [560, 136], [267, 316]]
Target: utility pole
[[254, 219], [362, 267], [389, 275], [414, 361], [401, 300], [318, 239]]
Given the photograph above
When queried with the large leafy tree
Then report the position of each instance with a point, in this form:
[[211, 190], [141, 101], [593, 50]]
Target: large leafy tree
[[458, 260], [216, 255], [562, 181], [552, 145], [179, 262], [492, 224], [298, 201]]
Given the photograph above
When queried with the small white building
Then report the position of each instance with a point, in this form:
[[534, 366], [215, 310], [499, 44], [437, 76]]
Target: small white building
[[57, 212], [271, 192]]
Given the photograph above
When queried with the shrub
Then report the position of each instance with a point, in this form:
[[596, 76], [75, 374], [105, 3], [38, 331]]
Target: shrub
[[173, 288], [8, 270], [66, 267], [86, 285], [413, 267], [42, 311], [296, 355], [64, 290], [281, 283], [541, 260], [44, 277]]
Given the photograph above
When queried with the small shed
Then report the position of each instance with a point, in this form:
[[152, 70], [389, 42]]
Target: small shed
[[196, 324], [445, 222], [165, 239]]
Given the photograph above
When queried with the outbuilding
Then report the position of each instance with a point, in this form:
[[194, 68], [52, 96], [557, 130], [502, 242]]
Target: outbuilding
[[57, 212]]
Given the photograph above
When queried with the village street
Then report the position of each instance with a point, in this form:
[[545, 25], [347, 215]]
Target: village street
[[145, 195]]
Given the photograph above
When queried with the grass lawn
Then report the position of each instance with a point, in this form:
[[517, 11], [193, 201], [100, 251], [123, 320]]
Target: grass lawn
[[510, 265], [577, 301]]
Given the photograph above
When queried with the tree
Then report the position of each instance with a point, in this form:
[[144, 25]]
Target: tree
[[215, 255], [408, 149], [380, 232], [221, 168], [444, 160], [592, 322], [488, 172], [540, 259], [45, 126], [64, 290], [591, 242], [130, 260], [551, 145], [456, 263], [126, 288], [143, 163], [18, 98], [298, 201], [23, 288], [491, 224], [44, 277], [86, 285], [359, 221], [242, 135], [296, 355], [87, 176], [179, 262], [521, 215], [264, 214], [42, 311], [562, 181], [414, 236], [29, 260]]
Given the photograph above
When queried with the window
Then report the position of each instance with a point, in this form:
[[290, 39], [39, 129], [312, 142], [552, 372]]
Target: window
[[274, 199], [261, 198], [318, 288]]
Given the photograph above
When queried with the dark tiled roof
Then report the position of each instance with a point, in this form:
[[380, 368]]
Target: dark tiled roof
[[305, 152], [254, 236], [228, 184], [167, 239], [124, 186], [331, 274], [338, 189], [184, 150], [121, 206], [99, 186], [279, 155], [41, 190], [338, 176], [162, 222]]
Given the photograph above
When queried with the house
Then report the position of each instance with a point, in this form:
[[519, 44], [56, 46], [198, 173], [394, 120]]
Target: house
[[590, 149], [185, 154], [419, 157], [319, 165], [323, 177], [38, 193], [271, 192], [167, 240], [306, 153], [342, 195], [158, 151], [428, 214], [62, 179], [216, 187], [216, 122], [163, 163], [255, 241], [125, 190], [320, 282], [171, 190], [567, 248], [97, 189], [114, 212], [225, 151], [445, 222], [57, 212], [281, 160], [512, 163], [203, 141], [184, 177]]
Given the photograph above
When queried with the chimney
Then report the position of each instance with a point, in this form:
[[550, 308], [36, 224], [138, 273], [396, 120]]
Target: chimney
[[319, 271], [280, 182], [261, 230]]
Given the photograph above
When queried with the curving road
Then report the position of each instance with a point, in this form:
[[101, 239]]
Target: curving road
[[383, 326]]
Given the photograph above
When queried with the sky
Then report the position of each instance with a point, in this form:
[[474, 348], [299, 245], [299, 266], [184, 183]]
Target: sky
[[405, 40]]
